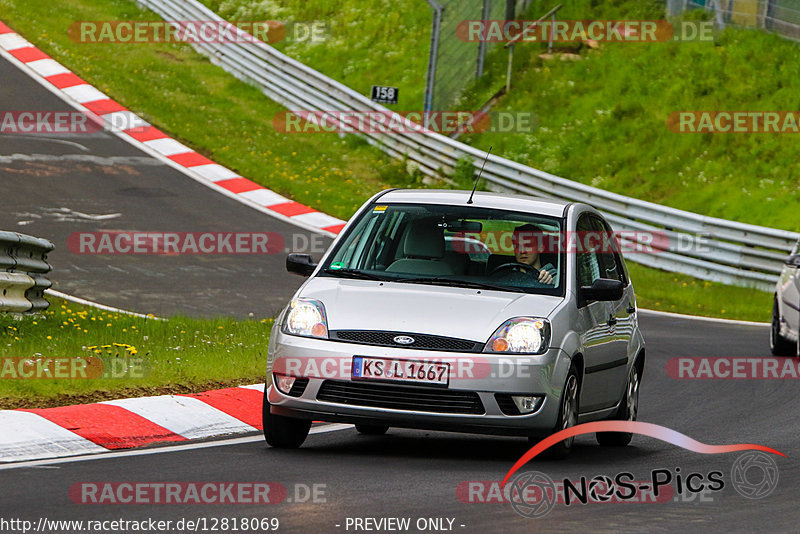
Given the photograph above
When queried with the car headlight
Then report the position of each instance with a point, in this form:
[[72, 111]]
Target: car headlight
[[524, 335], [306, 317]]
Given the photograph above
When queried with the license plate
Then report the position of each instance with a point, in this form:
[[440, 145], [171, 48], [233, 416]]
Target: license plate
[[408, 371]]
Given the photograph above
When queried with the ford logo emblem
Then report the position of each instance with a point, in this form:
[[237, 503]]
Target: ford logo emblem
[[403, 340]]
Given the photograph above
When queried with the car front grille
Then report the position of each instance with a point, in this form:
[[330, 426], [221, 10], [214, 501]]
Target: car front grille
[[421, 341], [419, 399]]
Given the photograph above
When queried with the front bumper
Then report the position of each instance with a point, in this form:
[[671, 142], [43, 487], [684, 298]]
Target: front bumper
[[327, 366]]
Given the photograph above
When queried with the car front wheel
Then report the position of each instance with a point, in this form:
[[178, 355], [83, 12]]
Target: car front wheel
[[283, 432], [567, 415], [628, 410]]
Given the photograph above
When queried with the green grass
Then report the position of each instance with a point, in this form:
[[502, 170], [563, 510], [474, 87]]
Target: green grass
[[366, 42], [679, 293], [137, 354], [626, 148], [602, 120]]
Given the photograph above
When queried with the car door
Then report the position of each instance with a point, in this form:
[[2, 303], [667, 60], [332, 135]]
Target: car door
[[622, 320], [596, 327]]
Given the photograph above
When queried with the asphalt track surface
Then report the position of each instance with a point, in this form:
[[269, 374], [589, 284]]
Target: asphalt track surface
[[55, 186], [416, 473], [406, 473]]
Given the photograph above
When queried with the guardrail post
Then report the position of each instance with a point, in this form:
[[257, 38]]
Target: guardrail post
[[510, 66], [427, 106], [511, 9], [717, 7], [482, 42], [767, 13]]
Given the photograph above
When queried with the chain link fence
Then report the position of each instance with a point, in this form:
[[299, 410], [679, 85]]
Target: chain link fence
[[779, 16], [454, 63]]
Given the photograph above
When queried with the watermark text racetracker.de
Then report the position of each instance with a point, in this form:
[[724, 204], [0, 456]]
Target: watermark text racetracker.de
[[179, 243], [74, 368], [569, 31], [622, 488], [196, 31], [734, 122], [598, 242], [404, 122], [132, 242], [55, 123], [458, 367], [47, 122], [192, 492], [733, 368]]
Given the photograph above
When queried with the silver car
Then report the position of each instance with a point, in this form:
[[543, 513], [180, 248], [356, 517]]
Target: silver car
[[408, 322], [786, 308]]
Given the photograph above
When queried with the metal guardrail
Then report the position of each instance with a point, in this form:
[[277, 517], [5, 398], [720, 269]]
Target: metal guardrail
[[732, 252], [23, 270]]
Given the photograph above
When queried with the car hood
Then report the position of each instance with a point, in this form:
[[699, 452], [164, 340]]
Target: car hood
[[419, 308]]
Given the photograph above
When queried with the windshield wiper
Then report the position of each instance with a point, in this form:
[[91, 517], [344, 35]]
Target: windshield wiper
[[354, 273], [459, 283]]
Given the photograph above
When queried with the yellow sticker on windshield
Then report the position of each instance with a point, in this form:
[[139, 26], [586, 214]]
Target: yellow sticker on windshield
[[379, 208]]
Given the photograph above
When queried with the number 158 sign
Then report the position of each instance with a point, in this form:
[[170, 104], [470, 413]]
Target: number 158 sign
[[384, 95]]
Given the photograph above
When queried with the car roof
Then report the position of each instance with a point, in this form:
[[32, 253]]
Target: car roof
[[481, 199]]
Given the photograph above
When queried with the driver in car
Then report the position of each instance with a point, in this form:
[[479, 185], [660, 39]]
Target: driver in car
[[528, 241]]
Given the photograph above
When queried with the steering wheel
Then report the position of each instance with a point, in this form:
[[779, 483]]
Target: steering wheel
[[516, 266]]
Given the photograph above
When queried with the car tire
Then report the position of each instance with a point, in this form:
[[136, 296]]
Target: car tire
[[372, 430], [567, 415], [779, 345], [628, 410], [283, 432]]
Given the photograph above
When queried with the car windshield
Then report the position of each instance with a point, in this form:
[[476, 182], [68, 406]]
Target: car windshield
[[461, 246]]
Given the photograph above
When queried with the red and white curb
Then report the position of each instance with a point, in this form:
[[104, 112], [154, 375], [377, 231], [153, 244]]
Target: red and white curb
[[82, 96], [127, 423]]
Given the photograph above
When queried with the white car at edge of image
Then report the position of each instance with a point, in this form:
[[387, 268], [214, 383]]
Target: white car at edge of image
[[786, 308]]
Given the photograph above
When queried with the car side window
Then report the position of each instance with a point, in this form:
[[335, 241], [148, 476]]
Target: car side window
[[611, 264], [588, 261]]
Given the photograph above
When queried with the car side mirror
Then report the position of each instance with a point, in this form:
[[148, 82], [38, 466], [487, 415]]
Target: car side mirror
[[793, 260], [603, 289], [302, 264]]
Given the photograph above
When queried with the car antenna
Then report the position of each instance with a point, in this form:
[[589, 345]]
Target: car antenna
[[479, 176]]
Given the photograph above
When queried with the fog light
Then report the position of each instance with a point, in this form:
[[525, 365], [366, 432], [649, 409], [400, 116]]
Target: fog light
[[284, 383], [526, 404]]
